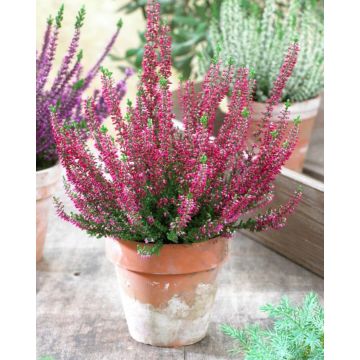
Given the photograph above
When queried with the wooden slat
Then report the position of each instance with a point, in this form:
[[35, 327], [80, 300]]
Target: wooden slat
[[302, 239]]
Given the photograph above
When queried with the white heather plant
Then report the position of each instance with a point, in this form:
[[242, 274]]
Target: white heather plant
[[297, 333], [258, 38]]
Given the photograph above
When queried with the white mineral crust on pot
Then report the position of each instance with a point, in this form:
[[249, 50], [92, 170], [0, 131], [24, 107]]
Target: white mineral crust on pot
[[177, 322]]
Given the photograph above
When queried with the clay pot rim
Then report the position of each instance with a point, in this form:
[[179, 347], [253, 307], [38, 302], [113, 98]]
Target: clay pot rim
[[172, 259], [317, 97], [46, 181], [306, 109], [168, 245], [39, 172]]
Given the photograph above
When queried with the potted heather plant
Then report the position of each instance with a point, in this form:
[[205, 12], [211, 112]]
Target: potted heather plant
[[258, 38], [297, 333], [65, 94], [167, 200]]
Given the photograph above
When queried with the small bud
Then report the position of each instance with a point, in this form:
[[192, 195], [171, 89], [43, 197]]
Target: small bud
[[203, 159], [204, 120], [274, 134], [127, 117], [123, 157], [78, 85], [163, 82], [103, 129], [296, 38], [149, 123], [129, 103], [297, 120], [80, 17], [245, 112], [252, 73], [231, 61], [79, 56], [105, 72], [50, 20], [59, 16], [286, 144], [120, 23], [287, 104]]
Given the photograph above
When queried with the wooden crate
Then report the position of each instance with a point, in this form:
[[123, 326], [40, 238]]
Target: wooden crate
[[302, 239]]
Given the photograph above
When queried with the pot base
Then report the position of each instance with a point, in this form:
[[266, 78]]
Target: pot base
[[182, 320]]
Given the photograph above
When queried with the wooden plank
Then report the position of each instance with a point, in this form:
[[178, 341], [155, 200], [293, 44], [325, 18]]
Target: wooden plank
[[79, 313], [302, 239]]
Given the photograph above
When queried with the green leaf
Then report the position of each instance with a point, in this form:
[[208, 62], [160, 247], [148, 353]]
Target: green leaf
[[106, 72], [297, 120], [60, 16], [120, 23], [149, 250], [204, 120], [79, 84], [172, 236], [80, 17], [103, 129], [274, 134], [245, 112], [287, 104], [203, 159]]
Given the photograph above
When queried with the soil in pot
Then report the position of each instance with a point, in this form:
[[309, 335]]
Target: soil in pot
[[167, 298]]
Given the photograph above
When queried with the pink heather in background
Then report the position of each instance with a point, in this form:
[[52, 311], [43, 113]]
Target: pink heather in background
[[155, 183]]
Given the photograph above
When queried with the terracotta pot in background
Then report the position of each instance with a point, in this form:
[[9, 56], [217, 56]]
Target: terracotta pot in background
[[167, 298], [307, 111], [46, 181]]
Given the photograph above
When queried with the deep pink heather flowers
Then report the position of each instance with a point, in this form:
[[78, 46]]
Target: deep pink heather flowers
[[154, 183], [66, 91]]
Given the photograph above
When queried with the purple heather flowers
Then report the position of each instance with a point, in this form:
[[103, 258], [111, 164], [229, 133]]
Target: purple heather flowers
[[153, 183], [65, 92]]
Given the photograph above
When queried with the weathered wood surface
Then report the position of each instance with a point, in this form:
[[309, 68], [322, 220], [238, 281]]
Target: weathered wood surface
[[80, 317], [302, 239]]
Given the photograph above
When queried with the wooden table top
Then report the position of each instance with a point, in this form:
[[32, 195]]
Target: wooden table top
[[79, 312]]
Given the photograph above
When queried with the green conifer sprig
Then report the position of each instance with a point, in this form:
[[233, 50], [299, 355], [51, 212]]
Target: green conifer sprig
[[297, 333]]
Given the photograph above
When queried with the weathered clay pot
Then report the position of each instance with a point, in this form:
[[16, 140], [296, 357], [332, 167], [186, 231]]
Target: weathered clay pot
[[167, 298], [46, 181], [307, 111]]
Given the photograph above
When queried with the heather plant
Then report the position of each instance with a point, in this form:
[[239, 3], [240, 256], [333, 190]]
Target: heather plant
[[297, 333], [66, 90], [155, 184], [258, 37]]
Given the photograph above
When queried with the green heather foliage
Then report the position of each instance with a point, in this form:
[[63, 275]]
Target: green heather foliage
[[297, 333], [258, 38]]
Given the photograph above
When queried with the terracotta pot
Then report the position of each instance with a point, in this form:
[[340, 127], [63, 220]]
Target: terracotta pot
[[307, 111], [167, 298], [46, 181]]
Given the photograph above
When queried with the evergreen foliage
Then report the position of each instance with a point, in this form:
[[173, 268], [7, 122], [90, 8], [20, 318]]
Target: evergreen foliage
[[297, 333]]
